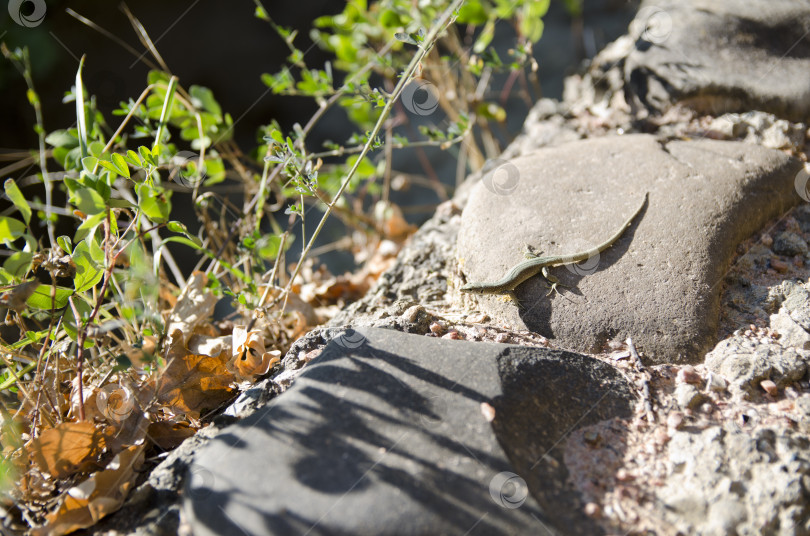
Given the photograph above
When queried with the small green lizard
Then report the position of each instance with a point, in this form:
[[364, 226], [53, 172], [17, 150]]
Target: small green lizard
[[536, 264]]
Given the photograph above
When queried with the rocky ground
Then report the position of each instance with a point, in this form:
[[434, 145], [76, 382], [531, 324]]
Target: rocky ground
[[691, 413]]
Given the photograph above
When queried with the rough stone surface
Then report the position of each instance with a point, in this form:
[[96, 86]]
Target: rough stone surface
[[387, 433], [688, 396], [730, 481], [745, 363], [659, 282], [719, 57], [790, 333]]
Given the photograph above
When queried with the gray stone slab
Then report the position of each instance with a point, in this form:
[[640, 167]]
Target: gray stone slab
[[718, 57], [660, 283], [386, 433]]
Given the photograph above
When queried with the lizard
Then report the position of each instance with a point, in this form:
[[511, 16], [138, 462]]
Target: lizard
[[535, 264]]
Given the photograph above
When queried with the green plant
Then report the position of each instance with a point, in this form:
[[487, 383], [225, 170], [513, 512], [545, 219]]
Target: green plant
[[86, 301]]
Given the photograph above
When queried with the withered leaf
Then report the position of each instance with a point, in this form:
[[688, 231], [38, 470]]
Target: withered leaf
[[168, 435], [101, 494], [194, 382], [249, 356], [64, 450]]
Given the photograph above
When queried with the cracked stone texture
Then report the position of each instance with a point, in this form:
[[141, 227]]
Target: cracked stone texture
[[660, 282], [717, 57], [730, 481], [387, 433]]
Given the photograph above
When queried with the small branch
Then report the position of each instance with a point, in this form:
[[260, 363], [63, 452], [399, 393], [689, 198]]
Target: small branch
[[645, 384]]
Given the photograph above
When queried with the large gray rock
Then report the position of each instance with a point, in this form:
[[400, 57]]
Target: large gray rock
[[717, 57], [387, 433], [660, 282]]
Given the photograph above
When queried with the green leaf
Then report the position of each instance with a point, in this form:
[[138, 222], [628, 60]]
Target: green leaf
[[182, 240], [13, 192], [88, 226], [146, 155], [88, 271], [472, 13], [202, 97], [18, 263], [65, 243], [177, 227], [88, 200], [81, 116], [153, 204], [405, 38], [41, 298], [96, 253], [62, 138], [89, 163], [10, 230], [132, 158], [120, 164]]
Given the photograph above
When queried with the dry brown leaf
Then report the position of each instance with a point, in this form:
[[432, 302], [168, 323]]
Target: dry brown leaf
[[194, 306], [393, 222], [67, 448], [101, 494], [168, 435], [249, 356], [211, 346], [192, 382]]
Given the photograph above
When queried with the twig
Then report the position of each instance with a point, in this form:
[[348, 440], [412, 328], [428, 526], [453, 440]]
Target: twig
[[428, 42], [645, 382]]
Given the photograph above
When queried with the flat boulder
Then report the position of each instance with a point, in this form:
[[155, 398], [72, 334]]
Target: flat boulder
[[387, 433], [718, 57], [660, 282]]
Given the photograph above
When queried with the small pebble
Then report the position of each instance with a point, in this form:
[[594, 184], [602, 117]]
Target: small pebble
[[769, 387], [767, 240], [688, 396], [687, 374], [477, 318], [789, 244], [623, 475], [620, 355], [488, 412], [675, 420], [411, 314], [592, 438], [716, 383], [436, 328], [452, 335], [593, 510], [779, 266], [502, 338], [312, 354]]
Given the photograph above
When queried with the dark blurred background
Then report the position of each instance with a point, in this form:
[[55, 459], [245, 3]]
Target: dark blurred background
[[222, 46]]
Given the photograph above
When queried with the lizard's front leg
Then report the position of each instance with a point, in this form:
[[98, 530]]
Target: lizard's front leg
[[551, 279]]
